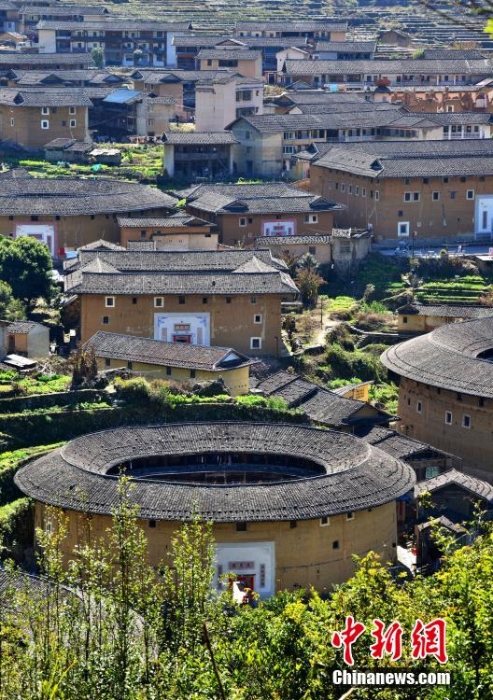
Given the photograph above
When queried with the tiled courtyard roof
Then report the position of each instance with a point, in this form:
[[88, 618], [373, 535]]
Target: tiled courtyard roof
[[448, 358], [76, 197], [355, 475]]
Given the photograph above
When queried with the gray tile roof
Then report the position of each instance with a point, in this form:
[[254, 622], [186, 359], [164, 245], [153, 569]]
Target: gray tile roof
[[398, 445], [453, 54], [448, 358], [462, 311], [112, 24], [391, 159], [41, 59], [476, 487], [321, 239], [74, 197], [172, 261], [366, 117], [321, 405], [47, 78], [255, 199], [347, 46], [460, 118], [184, 283], [209, 273], [66, 97], [21, 326], [329, 24], [63, 9], [353, 475], [156, 352], [177, 219], [231, 54], [407, 66], [193, 138]]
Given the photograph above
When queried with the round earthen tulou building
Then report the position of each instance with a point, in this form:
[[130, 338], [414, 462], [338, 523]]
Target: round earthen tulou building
[[290, 505], [446, 390]]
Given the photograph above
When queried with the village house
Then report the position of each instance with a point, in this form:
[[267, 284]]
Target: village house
[[189, 44], [343, 249], [243, 213], [30, 14], [246, 61], [26, 338], [9, 17], [207, 155], [179, 231], [423, 190], [445, 390], [196, 298], [89, 77], [366, 74], [125, 42], [327, 29], [45, 61], [225, 97], [31, 118], [465, 98], [267, 143], [421, 318], [322, 406], [344, 50], [155, 359], [66, 213]]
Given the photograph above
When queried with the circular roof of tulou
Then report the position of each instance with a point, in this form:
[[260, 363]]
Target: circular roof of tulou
[[453, 356], [352, 475]]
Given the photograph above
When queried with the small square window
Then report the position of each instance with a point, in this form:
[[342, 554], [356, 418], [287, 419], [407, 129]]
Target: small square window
[[257, 318], [152, 523], [481, 402], [466, 421], [448, 417], [243, 221], [109, 301], [416, 196], [377, 195], [453, 195], [470, 194], [134, 300], [445, 179], [34, 218], [255, 343], [425, 181], [192, 374], [350, 515], [72, 110], [407, 181], [404, 319], [363, 191], [45, 110], [130, 364], [143, 234], [45, 124], [107, 362], [419, 406], [241, 527], [253, 300], [73, 123], [228, 300], [400, 213], [106, 320], [181, 300], [168, 371], [205, 300], [324, 521], [293, 524], [435, 196], [407, 196], [159, 302], [463, 179], [335, 544]]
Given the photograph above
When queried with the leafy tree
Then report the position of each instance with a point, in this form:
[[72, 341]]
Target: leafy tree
[[26, 265], [11, 309], [97, 55]]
